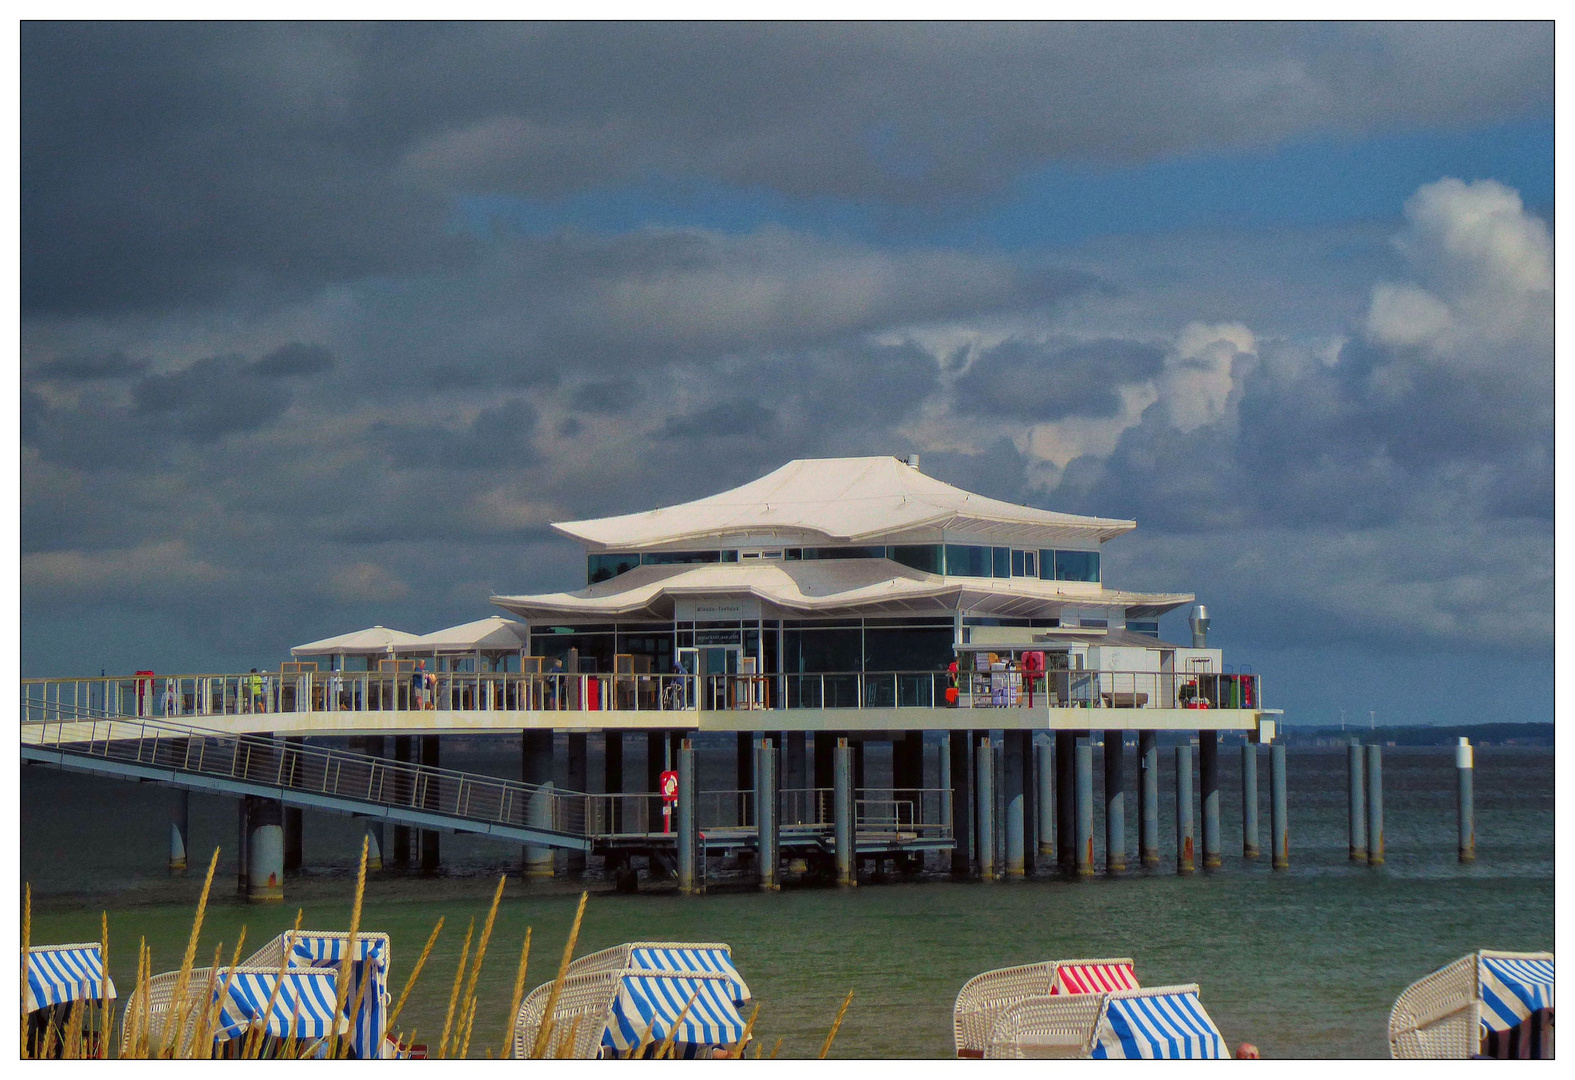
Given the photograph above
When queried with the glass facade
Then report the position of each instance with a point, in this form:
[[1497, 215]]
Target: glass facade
[[1071, 565], [956, 560], [604, 567], [926, 558]]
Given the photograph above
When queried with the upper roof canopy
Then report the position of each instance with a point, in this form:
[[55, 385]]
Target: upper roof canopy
[[851, 500]]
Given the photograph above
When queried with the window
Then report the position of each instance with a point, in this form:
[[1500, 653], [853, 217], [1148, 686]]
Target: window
[[845, 553], [1077, 566], [1001, 560], [670, 558], [730, 555], [1017, 563], [966, 560], [606, 567], [1144, 626], [1030, 564], [924, 557]]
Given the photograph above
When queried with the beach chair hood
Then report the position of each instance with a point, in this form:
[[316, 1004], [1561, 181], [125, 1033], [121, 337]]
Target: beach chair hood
[[701, 959], [60, 973], [1512, 988], [316, 950], [1167, 1022], [303, 1006], [647, 1007]]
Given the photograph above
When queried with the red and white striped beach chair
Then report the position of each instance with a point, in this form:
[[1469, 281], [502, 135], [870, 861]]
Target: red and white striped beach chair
[[985, 997]]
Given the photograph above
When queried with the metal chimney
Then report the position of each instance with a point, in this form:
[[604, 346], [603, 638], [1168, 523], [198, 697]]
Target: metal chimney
[[1199, 622], [913, 461]]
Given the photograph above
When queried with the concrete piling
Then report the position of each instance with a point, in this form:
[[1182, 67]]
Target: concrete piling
[[1044, 777], [1084, 780], [1278, 824], [180, 829], [960, 766], [265, 851], [766, 804], [1375, 806], [843, 810], [1066, 800], [1465, 800], [984, 768], [686, 826], [1148, 805], [1358, 804], [1016, 766], [1184, 838], [1115, 803], [1209, 780], [536, 769], [1249, 800]]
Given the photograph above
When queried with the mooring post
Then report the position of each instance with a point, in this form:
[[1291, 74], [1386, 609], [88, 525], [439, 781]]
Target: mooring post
[[766, 832], [1184, 838], [689, 882], [1044, 776], [1465, 767], [1016, 795], [1066, 800], [984, 766], [265, 851], [843, 810], [1115, 802], [1209, 778], [1249, 800], [1358, 805], [1148, 806], [1278, 823], [1375, 806], [180, 825], [1084, 781], [536, 770]]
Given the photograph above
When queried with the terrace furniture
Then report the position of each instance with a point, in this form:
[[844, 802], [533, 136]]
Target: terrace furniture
[[1163, 1022], [1469, 1005], [985, 997]]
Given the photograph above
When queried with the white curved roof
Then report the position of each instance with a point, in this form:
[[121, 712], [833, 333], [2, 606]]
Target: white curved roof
[[492, 634], [822, 587], [850, 500], [374, 639]]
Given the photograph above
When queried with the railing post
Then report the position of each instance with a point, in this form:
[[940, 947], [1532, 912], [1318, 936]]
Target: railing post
[[1465, 768]]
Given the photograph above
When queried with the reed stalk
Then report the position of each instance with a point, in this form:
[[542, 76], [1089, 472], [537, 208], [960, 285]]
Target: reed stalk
[[415, 973], [544, 1033], [178, 1007], [71, 1042], [737, 1049], [453, 998], [291, 1041], [27, 935], [645, 1042], [835, 1024], [48, 1049], [211, 1016], [519, 992], [255, 1033], [566, 1047], [105, 1010], [475, 970], [774, 1049], [342, 984], [672, 1032], [199, 1013], [128, 1026]]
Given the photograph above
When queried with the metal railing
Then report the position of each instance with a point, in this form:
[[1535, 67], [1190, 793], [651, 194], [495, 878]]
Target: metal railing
[[342, 774]]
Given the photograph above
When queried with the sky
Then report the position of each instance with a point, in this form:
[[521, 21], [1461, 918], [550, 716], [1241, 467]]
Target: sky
[[322, 325]]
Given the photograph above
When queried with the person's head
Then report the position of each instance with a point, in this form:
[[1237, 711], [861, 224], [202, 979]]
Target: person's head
[[420, 664], [1247, 1052], [254, 671]]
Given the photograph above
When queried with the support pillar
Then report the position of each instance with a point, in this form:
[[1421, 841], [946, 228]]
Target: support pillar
[[1375, 806], [984, 762], [1015, 747], [1044, 776], [1084, 781], [374, 846], [429, 837], [401, 832], [612, 776], [265, 851], [1148, 805], [846, 833], [1278, 822], [1249, 800], [243, 845], [1066, 800], [536, 769], [959, 760], [1209, 777], [689, 878], [1115, 803], [375, 746], [1465, 799], [180, 829], [576, 778], [1184, 837], [766, 805], [1358, 801]]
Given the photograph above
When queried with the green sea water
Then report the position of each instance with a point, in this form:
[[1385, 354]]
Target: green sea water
[[1304, 963]]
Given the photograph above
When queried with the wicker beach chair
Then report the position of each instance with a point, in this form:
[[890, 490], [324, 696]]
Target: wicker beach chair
[[984, 997], [610, 999], [302, 1007], [326, 949], [1449, 1013], [1163, 1022]]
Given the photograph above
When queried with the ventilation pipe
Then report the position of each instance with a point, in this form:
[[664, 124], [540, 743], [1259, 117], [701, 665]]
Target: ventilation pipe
[[1200, 626], [913, 461]]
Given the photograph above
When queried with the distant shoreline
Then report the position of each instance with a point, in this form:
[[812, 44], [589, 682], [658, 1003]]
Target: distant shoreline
[[1498, 734]]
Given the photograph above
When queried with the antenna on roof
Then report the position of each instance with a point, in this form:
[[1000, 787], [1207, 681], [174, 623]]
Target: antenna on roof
[[913, 461]]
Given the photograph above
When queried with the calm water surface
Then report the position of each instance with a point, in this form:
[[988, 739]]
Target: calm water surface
[[1305, 963]]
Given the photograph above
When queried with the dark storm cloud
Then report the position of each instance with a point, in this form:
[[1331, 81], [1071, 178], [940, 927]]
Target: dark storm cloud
[[87, 367], [294, 359], [724, 420], [499, 437], [176, 165], [210, 399], [1035, 381]]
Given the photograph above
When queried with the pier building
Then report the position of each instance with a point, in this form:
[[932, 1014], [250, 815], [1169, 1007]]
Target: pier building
[[831, 605]]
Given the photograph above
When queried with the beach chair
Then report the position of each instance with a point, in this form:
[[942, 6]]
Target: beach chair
[[1162, 1022], [303, 1008], [322, 949], [982, 999], [58, 976], [624, 1001], [1455, 1010]]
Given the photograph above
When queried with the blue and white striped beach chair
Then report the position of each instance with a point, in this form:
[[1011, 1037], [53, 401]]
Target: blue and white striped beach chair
[[302, 1007], [1449, 1013], [59, 974], [1162, 1022], [318, 949]]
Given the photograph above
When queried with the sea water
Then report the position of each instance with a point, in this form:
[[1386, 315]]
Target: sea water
[[1304, 962]]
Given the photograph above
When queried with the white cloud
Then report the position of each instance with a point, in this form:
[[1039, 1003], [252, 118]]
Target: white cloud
[[139, 571], [365, 583], [1202, 371]]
